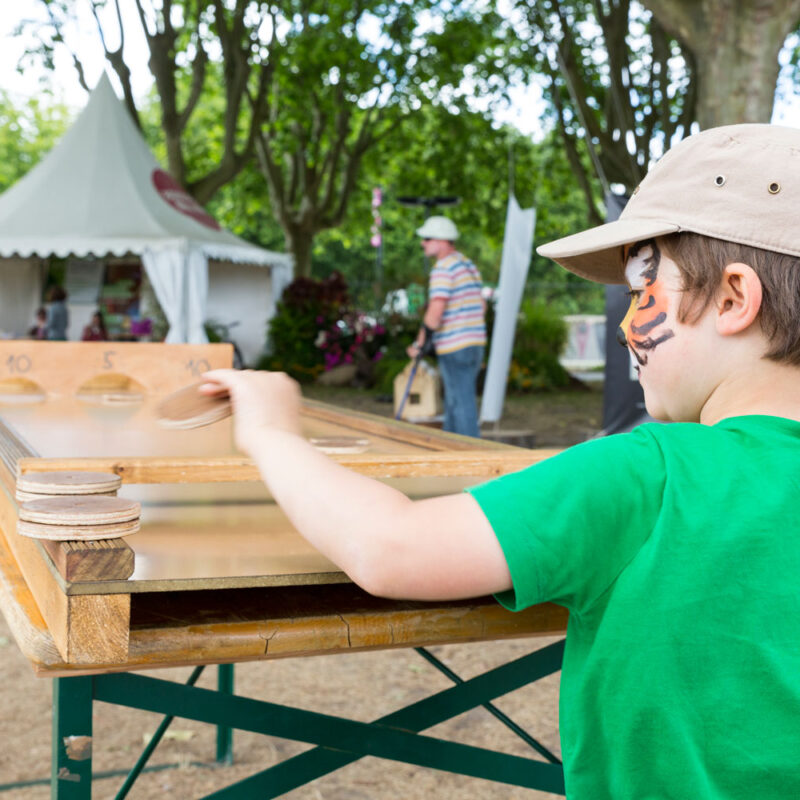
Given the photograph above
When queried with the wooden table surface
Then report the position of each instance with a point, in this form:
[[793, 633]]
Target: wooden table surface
[[218, 572]]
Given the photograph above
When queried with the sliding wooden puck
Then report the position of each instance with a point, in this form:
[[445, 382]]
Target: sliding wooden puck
[[85, 510], [74, 533], [340, 445], [67, 482], [187, 408]]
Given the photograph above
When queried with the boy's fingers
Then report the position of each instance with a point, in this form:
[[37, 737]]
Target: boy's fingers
[[217, 381], [219, 375], [213, 389]]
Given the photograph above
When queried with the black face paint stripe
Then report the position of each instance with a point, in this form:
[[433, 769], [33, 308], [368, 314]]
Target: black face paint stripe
[[651, 344], [651, 301], [648, 326], [651, 273], [642, 359]]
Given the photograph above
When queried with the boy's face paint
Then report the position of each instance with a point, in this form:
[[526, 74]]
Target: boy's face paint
[[645, 326]]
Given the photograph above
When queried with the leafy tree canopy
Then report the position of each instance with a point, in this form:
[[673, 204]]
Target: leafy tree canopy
[[27, 133], [618, 86], [308, 86]]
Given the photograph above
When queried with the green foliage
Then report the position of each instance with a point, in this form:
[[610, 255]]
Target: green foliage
[[444, 148], [617, 85], [305, 308], [27, 133], [541, 337], [317, 329], [467, 156]]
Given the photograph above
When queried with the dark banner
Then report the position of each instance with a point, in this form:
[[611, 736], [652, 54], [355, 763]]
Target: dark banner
[[623, 400]]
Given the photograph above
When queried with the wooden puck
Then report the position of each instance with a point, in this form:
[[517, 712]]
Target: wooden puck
[[24, 497], [187, 408], [68, 482], [65, 533], [340, 445], [83, 510]]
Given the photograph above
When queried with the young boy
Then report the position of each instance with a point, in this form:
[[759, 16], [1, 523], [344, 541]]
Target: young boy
[[676, 548]]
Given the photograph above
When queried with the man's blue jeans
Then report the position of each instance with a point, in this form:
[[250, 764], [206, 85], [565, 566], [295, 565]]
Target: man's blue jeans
[[459, 371]]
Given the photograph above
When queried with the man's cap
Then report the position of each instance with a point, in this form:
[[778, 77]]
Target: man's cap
[[740, 183], [438, 228]]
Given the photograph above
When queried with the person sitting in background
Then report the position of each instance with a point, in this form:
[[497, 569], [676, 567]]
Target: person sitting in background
[[95, 331], [57, 315], [39, 329]]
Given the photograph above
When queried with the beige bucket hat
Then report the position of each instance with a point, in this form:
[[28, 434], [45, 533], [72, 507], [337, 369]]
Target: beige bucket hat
[[740, 183], [438, 228]]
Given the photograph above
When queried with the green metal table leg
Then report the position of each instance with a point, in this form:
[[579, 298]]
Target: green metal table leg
[[225, 734], [346, 740], [150, 747], [71, 775], [491, 708]]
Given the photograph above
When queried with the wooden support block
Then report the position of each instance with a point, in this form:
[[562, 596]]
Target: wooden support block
[[102, 560], [89, 628], [86, 629]]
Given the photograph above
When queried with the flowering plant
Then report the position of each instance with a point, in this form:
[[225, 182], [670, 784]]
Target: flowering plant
[[353, 338], [305, 307]]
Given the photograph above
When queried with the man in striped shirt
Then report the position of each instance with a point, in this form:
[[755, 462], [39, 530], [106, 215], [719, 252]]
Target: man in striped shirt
[[454, 319]]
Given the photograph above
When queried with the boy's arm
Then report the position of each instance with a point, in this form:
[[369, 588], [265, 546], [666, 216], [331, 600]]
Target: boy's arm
[[433, 549]]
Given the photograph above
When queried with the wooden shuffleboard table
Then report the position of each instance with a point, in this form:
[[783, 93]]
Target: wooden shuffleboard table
[[217, 575]]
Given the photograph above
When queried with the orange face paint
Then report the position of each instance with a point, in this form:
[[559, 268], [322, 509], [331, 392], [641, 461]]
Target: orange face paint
[[643, 327]]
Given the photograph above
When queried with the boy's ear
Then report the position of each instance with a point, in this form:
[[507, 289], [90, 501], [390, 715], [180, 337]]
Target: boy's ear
[[738, 299]]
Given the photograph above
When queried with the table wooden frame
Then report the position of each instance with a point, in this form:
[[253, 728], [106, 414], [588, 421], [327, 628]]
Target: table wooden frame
[[104, 637]]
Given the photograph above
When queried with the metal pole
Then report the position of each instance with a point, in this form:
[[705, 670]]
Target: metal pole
[[71, 764], [153, 743], [225, 734]]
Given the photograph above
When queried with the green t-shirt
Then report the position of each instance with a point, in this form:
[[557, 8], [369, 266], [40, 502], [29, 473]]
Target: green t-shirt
[[676, 549]]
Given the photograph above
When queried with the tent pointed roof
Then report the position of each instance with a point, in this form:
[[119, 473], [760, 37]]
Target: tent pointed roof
[[101, 191]]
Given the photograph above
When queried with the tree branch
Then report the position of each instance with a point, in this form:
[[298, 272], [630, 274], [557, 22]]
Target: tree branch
[[114, 57]]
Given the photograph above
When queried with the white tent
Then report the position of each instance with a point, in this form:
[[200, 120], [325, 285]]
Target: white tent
[[101, 193]]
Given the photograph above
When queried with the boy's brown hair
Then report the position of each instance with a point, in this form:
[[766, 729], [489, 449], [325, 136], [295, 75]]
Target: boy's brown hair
[[702, 259]]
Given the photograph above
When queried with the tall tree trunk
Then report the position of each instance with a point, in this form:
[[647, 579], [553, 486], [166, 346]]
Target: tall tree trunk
[[735, 44], [300, 243]]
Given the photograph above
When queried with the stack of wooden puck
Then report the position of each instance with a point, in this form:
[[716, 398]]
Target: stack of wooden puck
[[74, 506]]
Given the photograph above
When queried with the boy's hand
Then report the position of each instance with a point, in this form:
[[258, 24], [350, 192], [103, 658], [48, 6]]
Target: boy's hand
[[261, 401]]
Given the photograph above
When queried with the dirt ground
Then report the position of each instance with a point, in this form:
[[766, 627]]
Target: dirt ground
[[362, 686]]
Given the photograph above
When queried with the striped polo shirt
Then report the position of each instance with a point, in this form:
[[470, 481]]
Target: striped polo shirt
[[456, 279]]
